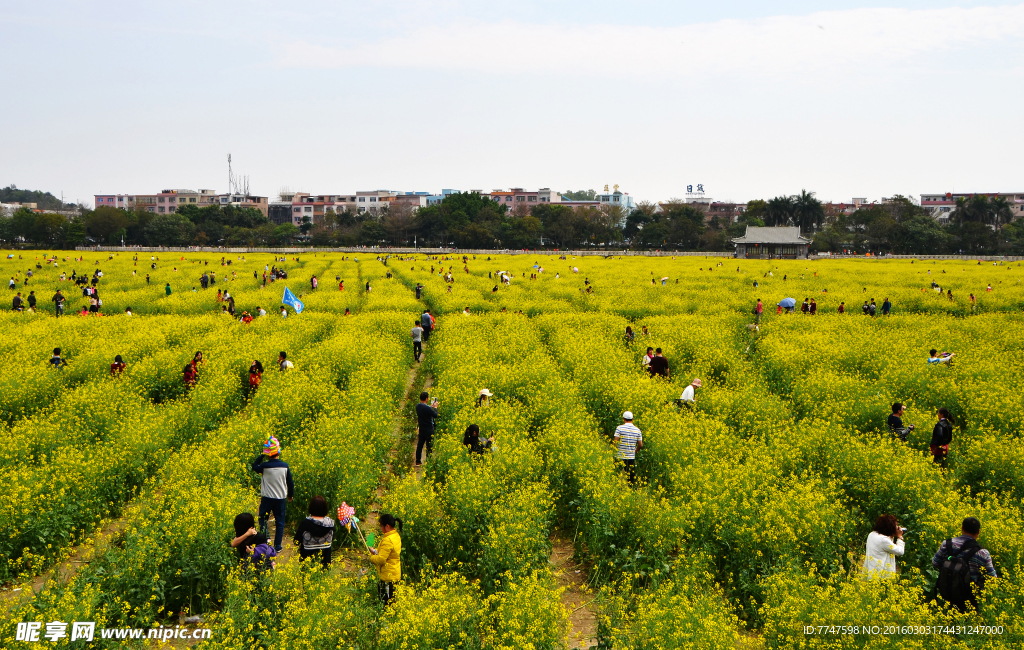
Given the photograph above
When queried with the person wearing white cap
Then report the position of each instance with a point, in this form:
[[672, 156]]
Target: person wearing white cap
[[687, 396], [483, 398], [628, 439]]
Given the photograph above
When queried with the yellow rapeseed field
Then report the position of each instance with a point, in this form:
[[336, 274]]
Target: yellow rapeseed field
[[746, 527]]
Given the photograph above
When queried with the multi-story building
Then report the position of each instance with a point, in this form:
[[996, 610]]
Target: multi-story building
[[615, 197], [942, 204], [167, 201], [518, 198]]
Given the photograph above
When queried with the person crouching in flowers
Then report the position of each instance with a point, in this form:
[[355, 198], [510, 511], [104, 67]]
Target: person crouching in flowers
[[885, 542], [386, 557], [252, 546], [315, 533], [471, 439]]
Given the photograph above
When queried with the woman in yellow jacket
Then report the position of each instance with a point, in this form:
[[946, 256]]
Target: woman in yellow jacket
[[386, 557]]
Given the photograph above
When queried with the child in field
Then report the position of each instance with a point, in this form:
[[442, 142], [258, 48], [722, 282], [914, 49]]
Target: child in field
[[56, 361], [315, 533], [935, 357], [252, 546], [387, 556]]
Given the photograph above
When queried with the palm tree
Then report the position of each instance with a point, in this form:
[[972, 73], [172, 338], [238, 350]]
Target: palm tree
[[1000, 211], [779, 211], [808, 212]]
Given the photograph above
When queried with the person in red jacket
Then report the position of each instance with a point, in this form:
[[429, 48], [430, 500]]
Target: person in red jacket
[[117, 367]]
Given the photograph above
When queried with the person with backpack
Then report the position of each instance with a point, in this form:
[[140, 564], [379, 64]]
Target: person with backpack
[[276, 489], [885, 542], [963, 565], [942, 436], [386, 556], [315, 533], [252, 546]]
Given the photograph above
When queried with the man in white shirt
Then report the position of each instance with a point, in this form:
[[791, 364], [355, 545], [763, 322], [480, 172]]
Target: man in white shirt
[[687, 396], [628, 439]]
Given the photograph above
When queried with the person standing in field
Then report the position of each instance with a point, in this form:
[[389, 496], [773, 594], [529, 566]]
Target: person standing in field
[[814, 307], [659, 365], [255, 374], [646, 361], [58, 303], [425, 415], [886, 307], [628, 439], [167, 289], [386, 556], [805, 307], [842, 308], [425, 323], [276, 489], [885, 542], [417, 340], [118, 366], [758, 311], [942, 436]]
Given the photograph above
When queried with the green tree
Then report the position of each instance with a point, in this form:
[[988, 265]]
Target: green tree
[[779, 211], [285, 233], [807, 212], [372, 232], [169, 230], [102, 222], [580, 195]]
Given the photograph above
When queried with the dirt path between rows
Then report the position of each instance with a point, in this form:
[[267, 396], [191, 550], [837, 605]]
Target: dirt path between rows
[[578, 598]]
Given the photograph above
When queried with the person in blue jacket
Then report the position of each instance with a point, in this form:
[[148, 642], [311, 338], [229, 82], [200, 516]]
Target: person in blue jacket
[[276, 489]]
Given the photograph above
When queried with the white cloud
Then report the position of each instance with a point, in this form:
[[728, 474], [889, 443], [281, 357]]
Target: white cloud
[[781, 45]]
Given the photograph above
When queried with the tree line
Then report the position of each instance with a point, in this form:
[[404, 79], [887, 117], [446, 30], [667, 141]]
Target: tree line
[[975, 225]]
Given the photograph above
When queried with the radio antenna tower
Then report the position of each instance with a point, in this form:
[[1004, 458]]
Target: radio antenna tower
[[237, 184]]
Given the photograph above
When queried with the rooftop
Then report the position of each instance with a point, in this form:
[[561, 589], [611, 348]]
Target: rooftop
[[772, 235]]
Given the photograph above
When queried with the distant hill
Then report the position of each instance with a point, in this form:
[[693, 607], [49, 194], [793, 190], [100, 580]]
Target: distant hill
[[45, 200]]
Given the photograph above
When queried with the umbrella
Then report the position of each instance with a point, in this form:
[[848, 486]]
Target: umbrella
[[788, 303]]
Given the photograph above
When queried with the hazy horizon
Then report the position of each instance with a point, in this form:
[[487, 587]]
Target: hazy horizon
[[843, 98]]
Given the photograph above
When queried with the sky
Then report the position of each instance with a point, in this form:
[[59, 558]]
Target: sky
[[749, 99]]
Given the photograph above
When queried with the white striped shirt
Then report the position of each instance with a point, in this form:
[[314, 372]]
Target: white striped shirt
[[627, 436]]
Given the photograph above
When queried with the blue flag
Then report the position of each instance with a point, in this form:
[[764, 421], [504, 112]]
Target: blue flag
[[290, 300]]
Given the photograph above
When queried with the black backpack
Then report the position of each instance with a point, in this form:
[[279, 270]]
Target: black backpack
[[955, 582]]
